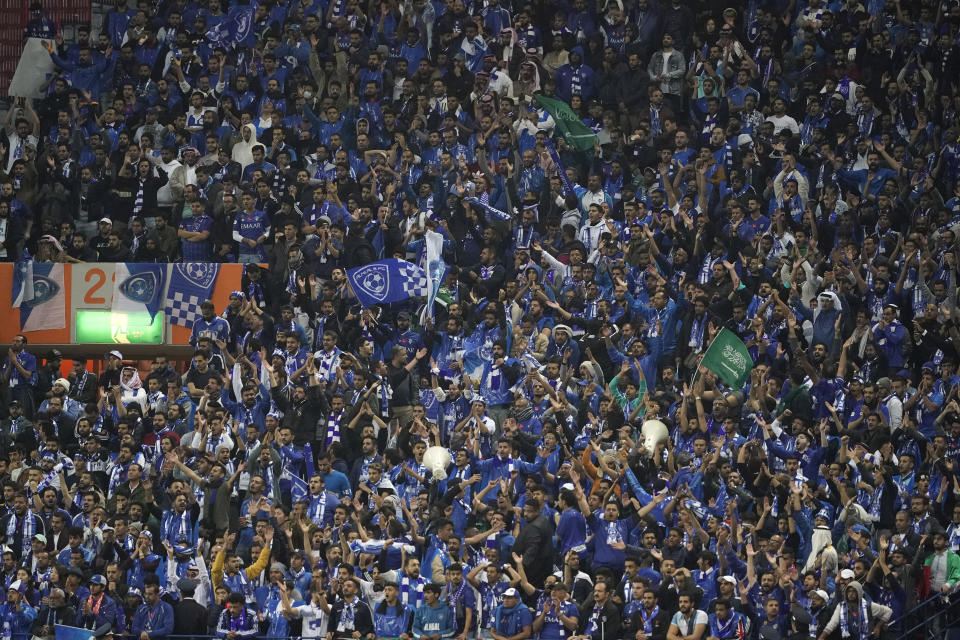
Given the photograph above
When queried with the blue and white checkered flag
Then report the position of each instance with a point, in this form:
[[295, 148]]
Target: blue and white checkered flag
[[387, 281], [191, 284], [415, 281]]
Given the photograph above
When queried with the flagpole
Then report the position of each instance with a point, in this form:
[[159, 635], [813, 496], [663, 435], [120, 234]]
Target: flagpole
[[696, 374]]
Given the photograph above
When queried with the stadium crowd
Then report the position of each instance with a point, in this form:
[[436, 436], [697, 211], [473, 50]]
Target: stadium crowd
[[787, 170]]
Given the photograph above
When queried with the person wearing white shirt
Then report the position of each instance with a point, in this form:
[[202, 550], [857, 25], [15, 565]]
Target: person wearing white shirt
[[781, 120], [315, 615], [590, 233], [688, 621]]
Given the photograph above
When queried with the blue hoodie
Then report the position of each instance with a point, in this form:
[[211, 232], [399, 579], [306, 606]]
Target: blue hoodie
[[435, 620], [509, 621], [576, 79]]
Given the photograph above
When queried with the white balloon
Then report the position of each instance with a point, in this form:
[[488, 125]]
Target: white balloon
[[436, 460]]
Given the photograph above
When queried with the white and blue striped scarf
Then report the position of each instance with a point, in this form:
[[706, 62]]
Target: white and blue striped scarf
[[416, 593], [138, 201], [333, 428], [29, 528]]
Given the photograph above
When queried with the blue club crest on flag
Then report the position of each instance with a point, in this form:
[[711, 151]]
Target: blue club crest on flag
[[190, 285], [374, 280], [139, 288], [43, 289], [234, 29], [200, 274], [38, 291], [387, 281]]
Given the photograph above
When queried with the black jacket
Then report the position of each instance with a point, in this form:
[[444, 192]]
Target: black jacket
[[608, 621], [535, 546], [659, 625], [48, 617], [186, 615], [362, 619]]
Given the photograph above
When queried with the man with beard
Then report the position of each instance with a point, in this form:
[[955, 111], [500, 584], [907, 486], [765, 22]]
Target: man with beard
[[20, 526], [350, 615], [56, 612], [20, 373], [649, 622], [855, 616], [725, 623], [535, 542]]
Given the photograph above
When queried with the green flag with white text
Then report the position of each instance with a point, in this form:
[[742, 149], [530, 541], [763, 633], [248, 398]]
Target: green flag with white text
[[729, 358], [577, 134]]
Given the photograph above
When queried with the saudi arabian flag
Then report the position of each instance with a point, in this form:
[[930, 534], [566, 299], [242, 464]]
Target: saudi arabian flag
[[728, 358], [577, 134]]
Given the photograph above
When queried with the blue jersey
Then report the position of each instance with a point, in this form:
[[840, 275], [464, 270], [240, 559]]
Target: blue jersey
[[196, 250], [251, 226], [216, 329]]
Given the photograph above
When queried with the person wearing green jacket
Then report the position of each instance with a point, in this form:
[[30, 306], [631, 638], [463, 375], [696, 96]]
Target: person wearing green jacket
[[941, 569], [630, 398]]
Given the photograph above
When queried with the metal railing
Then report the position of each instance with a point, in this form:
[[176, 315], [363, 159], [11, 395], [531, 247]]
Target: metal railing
[[929, 620]]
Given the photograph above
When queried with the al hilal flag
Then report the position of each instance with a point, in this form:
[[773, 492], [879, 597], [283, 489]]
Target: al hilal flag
[[577, 134], [728, 358]]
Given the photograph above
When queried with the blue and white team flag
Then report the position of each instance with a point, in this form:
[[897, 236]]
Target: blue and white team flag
[[561, 171], [63, 632], [38, 291], [385, 281], [234, 29], [435, 267], [138, 288], [298, 487], [191, 284], [22, 282], [496, 213]]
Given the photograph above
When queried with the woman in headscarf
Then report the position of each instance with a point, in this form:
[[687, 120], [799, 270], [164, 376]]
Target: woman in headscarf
[[132, 388], [243, 150]]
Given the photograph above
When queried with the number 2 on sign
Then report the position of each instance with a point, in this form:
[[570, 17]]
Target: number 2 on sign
[[101, 278]]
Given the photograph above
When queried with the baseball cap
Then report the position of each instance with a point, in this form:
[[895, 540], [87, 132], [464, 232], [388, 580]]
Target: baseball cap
[[116, 354], [42, 538], [859, 528], [847, 574], [97, 579], [106, 221], [729, 579], [511, 593], [821, 594]]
